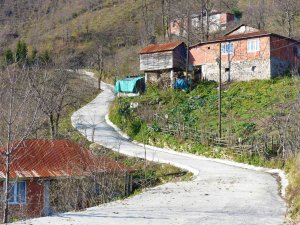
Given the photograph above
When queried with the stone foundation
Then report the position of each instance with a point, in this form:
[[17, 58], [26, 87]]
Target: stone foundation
[[162, 79], [238, 71]]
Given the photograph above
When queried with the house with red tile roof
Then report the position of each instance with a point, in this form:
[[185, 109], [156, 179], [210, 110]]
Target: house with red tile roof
[[46, 174], [163, 60], [246, 53]]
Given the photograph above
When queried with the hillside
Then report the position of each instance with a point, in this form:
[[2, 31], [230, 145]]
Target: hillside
[[259, 123], [72, 31]]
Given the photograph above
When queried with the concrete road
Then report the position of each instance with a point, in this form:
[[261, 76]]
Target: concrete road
[[219, 194]]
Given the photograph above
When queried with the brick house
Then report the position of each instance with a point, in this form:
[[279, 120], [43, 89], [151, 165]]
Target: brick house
[[247, 53], [161, 61], [46, 174], [217, 20]]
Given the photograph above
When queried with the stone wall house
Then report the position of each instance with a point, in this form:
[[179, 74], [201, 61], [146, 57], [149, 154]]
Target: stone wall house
[[217, 21], [246, 54], [48, 176], [161, 62]]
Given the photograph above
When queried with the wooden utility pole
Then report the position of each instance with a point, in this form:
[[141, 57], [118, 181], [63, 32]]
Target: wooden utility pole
[[220, 90], [188, 42]]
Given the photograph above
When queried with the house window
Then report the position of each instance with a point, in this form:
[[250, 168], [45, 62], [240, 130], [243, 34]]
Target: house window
[[253, 45], [227, 69], [17, 192], [227, 48], [253, 68]]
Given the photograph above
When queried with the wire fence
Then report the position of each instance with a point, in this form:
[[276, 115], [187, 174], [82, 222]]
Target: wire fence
[[264, 146]]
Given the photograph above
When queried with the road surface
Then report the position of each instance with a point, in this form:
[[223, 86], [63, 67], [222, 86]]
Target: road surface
[[218, 194]]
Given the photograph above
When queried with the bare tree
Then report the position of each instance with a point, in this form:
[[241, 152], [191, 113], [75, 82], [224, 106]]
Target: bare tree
[[287, 12], [18, 115], [98, 62], [51, 89]]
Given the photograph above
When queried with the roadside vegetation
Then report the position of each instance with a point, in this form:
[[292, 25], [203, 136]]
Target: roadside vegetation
[[259, 119], [146, 173]]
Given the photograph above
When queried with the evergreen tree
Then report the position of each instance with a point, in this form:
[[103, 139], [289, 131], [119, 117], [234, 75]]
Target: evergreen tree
[[21, 52], [8, 56]]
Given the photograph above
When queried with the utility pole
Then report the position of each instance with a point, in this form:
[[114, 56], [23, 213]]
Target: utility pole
[[188, 41], [220, 90]]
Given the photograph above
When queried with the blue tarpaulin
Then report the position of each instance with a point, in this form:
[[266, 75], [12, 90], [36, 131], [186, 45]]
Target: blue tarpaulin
[[181, 84], [130, 85]]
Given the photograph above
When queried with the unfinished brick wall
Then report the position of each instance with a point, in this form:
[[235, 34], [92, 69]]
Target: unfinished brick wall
[[34, 202], [240, 66]]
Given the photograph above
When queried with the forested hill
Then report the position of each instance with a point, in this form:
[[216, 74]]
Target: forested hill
[[73, 30]]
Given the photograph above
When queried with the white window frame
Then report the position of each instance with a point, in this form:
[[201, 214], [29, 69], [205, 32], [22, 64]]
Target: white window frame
[[253, 45], [227, 48], [14, 186]]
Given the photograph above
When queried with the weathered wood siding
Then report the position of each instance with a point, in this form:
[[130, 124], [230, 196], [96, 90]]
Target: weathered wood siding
[[156, 61], [179, 57]]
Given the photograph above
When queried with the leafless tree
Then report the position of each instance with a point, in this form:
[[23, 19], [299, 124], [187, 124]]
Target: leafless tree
[[18, 114], [287, 12], [51, 88], [98, 62]]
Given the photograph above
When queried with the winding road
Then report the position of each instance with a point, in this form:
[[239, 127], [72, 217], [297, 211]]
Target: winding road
[[219, 193]]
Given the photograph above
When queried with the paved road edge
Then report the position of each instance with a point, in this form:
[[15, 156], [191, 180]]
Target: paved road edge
[[278, 172]]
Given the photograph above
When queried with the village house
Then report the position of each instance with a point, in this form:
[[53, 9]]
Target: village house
[[48, 176], [217, 21], [161, 62], [246, 53]]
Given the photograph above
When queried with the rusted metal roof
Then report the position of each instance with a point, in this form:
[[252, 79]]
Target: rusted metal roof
[[161, 47], [56, 158]]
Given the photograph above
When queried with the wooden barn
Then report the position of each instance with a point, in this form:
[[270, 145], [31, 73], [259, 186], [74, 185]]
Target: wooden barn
[[160, 62]]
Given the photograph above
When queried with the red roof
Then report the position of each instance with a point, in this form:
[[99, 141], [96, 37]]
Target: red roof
[[161, 47], [236, 37], [56, 158]]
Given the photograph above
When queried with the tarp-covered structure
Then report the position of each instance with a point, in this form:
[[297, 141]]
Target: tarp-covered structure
[[130, 85]]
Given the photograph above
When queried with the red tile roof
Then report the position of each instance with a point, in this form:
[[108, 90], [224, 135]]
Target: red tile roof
[[161, 47], [236, 37], [56, 158], [243, 36], [239, 36]]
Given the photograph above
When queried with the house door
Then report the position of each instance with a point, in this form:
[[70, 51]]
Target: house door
[[197, 71]]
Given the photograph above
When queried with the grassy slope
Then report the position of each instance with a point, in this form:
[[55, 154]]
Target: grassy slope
[[72, 28], [248, 108]]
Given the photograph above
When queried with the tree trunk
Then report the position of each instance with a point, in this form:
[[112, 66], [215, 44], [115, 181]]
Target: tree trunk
[[6, 191], [163, 18], [99, 82], [52, 127]]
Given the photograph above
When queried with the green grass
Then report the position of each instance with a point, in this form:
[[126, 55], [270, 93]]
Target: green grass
[[246, 108], [247, 112]]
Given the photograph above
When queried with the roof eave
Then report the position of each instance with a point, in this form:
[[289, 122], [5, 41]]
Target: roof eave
[[233, 39]]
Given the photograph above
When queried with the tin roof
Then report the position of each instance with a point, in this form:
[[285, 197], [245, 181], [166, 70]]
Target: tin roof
[[161, 47], [55, 158]]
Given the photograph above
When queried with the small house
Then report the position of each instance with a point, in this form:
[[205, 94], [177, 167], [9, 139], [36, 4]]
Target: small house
[[159, 62], [48, 176], [246, 53], [217, 21]]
